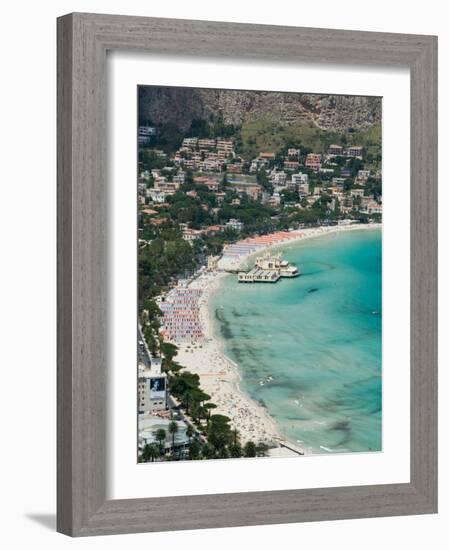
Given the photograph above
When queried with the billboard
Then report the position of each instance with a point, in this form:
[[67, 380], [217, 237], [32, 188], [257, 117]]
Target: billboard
[[157, 388]]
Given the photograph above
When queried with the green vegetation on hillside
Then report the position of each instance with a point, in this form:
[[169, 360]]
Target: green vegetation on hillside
[[268, 135]]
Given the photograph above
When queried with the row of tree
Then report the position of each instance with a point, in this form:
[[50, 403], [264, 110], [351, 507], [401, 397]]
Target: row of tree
[[222, 442]]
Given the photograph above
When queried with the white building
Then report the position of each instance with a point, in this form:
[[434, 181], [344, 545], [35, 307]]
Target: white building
[[190, 235], [335, 150], [354, 151], [156, 195], [372, 208], [149, 425], [279, 178], [299, 178], [152, 388], [362, 177], [179, 178], [234, 224], [190, 142], [145, 133], [363, 174], [338, 181], [257, 164]]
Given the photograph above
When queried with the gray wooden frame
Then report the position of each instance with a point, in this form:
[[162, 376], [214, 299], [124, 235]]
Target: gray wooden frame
[[83, 40]]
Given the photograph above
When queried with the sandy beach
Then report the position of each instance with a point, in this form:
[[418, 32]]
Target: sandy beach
[[235, 256], [219, 375]]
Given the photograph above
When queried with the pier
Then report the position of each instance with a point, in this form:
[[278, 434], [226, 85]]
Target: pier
[[268, 269], [290, 448]]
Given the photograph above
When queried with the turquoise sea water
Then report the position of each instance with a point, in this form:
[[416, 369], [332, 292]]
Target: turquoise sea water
[[318, 336]]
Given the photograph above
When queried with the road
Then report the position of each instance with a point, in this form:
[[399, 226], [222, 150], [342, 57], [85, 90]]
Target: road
[[145, 358], [142, 350]]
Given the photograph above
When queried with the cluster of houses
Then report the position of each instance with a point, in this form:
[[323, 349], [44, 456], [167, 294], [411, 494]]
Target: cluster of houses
[[213, 161], [206, 155]]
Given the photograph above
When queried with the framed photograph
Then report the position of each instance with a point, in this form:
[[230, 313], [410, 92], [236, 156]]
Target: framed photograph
[[247, 280]]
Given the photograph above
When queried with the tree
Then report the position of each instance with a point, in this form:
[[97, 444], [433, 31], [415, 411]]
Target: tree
[[290, 195], [261, 449], [262, 179], [208, 451], [208, 407], [219, 431], [186, 386], [169, 351], [250, 449], [194, 450], [189, 432], [160, 436], [223, 453], [173, 430], [150, 452], [235, 450], [224, 180]]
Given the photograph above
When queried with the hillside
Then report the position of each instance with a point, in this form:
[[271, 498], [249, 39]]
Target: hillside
[[180, 106]]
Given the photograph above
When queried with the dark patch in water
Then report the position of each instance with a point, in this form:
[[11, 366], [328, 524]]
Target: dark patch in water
[[312, 290], [344, 427], [323, 265], [341, 425], [237, 354], [225, 326]]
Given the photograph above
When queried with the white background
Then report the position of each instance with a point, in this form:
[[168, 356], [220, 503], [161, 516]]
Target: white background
[[131, 480], [28, 273]]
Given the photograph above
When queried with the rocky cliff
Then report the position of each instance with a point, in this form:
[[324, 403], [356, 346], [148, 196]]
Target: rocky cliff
[[180, 106]]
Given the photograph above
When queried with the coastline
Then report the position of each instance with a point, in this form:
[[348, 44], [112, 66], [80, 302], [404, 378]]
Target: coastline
[[291, 237], [219, 375]]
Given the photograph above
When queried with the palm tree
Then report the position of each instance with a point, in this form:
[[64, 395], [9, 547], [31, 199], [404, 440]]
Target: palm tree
[[189, 432], [150, 452], [235, 436], [160, 436], [173, 429]]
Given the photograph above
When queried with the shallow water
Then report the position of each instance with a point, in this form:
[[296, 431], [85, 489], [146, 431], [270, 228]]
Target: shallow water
[[309, 348]]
